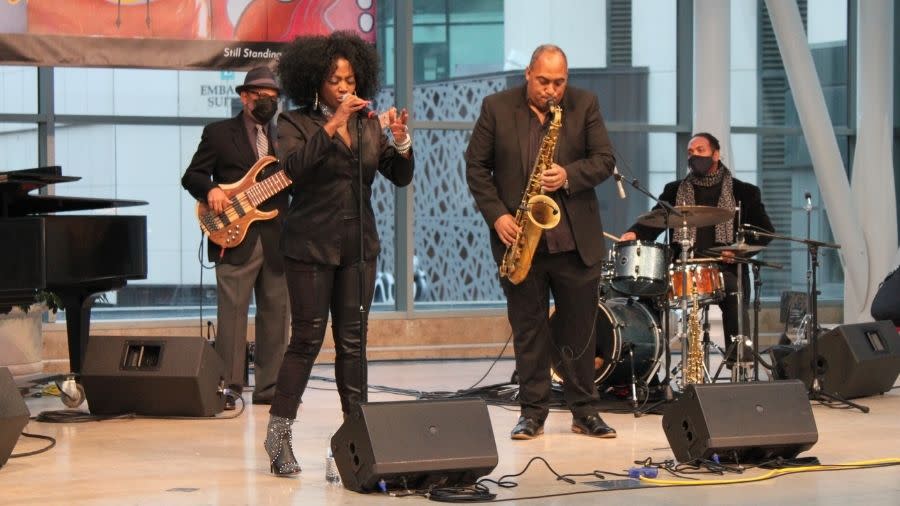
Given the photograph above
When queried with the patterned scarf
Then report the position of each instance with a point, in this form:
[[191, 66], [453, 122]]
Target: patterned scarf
[[685, 197]]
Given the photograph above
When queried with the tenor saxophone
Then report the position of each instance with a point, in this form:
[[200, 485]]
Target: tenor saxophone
[[693, 369], [536, 212]]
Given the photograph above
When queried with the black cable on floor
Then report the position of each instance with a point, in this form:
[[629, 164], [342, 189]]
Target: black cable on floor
[[35, 452]]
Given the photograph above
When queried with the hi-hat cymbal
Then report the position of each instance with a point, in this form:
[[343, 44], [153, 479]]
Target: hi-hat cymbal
[[738, 249], [692, 216]]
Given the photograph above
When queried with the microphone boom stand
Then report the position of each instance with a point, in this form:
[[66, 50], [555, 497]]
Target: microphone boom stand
[[817, 387], [669, 211]]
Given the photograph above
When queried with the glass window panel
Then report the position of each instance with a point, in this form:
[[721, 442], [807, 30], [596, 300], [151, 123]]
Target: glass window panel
[[654, 47], [142, 92], [476, 11], [142, 163], [744, 64], [18, 90], [18, 146], [474, 49], [649, 158], [787, 174], [826, 26]]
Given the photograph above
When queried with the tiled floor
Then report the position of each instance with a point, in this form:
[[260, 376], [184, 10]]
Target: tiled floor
[[144, 461]]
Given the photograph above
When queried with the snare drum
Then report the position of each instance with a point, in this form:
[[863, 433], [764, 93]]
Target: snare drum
[[640, 268], [705, 278]]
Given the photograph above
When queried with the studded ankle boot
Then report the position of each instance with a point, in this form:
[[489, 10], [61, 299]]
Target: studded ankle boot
[[278, 445]]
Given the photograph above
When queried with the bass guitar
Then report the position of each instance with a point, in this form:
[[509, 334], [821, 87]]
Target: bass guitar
[[228, 228]]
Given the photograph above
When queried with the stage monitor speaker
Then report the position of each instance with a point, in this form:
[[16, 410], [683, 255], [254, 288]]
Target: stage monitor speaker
[[855, 360], [741, 422], [14, 415], [158, 376], [415, 444]]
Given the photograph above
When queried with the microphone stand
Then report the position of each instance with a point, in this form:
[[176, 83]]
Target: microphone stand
[[361, 286], [817, 385], [808, 208], [668, 395]]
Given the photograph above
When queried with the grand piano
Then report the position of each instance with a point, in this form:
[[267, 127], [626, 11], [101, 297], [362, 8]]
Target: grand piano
[[74, 256]]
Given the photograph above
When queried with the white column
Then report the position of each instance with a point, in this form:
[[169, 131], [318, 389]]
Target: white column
[[712, 72], [872, 179], [823, 149]]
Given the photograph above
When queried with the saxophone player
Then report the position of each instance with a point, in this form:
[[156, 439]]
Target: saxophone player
[[502, 157]]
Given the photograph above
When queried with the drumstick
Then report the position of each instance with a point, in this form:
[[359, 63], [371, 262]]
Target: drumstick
[[611, 237]]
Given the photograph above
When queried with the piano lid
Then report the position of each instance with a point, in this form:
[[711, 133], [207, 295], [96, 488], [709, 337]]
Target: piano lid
[[15, 199], [38, 177]]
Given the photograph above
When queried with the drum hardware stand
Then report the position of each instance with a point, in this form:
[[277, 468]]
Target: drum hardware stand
[[634, 399], [666, 381], [817, 389], [757, 288]]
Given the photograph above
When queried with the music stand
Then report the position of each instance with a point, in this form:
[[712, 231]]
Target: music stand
[[817, 385]]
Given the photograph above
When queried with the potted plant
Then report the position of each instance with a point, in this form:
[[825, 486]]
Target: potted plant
[[21, 338]]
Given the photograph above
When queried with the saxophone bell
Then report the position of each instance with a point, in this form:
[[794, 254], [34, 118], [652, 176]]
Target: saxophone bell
[[543, 211]]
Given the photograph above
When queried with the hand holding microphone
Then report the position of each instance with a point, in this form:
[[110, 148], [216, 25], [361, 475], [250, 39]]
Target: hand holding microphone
[[349, 105]]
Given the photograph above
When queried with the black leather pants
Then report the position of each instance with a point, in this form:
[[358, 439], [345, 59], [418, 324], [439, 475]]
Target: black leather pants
[[315, 290]]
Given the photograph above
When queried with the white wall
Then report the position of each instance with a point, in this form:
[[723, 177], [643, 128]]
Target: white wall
[[577, 26]]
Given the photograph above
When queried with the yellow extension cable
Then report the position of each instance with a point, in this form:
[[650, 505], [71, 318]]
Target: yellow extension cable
[[773, 474]]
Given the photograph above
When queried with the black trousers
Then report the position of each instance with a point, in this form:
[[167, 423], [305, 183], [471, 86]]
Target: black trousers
[[729, 305], [574, 289], [315, 290]]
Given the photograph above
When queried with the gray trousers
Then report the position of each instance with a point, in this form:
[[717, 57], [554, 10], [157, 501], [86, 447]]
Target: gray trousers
[[235, 285]]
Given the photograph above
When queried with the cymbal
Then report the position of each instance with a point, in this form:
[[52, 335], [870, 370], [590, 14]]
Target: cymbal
[[694, 216], [740, 248]]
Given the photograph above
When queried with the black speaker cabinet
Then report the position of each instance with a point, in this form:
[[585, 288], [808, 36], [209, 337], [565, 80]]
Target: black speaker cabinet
[[741, 422], [414, 444], [160, 376], [855, 360], [14, 415]]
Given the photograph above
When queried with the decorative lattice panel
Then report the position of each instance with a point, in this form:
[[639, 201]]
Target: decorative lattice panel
[[453, 261]]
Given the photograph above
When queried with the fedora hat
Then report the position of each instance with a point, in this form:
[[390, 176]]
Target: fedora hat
[[259, 77]]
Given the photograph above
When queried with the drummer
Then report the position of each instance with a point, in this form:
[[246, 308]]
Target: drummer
[[710, 183]]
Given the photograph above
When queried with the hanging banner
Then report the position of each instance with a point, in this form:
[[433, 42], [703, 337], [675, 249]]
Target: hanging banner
[[175, 34]]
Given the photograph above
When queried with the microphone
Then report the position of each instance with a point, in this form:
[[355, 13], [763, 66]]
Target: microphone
[[808, 197], [365, 112], [619, 182]]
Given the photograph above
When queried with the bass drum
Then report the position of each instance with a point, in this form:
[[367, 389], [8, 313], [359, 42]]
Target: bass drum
[[622, 323]]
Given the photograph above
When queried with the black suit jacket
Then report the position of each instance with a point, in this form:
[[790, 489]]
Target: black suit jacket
[[224, 156], [752, 210], [497, 157], [324, 172]]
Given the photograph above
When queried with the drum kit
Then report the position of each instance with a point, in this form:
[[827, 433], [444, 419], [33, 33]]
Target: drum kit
[[642, 290]]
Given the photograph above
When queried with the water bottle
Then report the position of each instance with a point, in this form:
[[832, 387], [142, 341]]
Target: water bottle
[[331, 471]]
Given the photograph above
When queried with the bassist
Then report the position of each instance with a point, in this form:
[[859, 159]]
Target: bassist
[[227, 150]]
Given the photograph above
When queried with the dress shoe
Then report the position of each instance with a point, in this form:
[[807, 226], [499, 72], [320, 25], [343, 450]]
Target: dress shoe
[[527, 428], [592, 425]]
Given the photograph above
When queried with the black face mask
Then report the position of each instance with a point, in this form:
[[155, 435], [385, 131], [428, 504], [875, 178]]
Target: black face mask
[[700, 165], [264, 108]]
